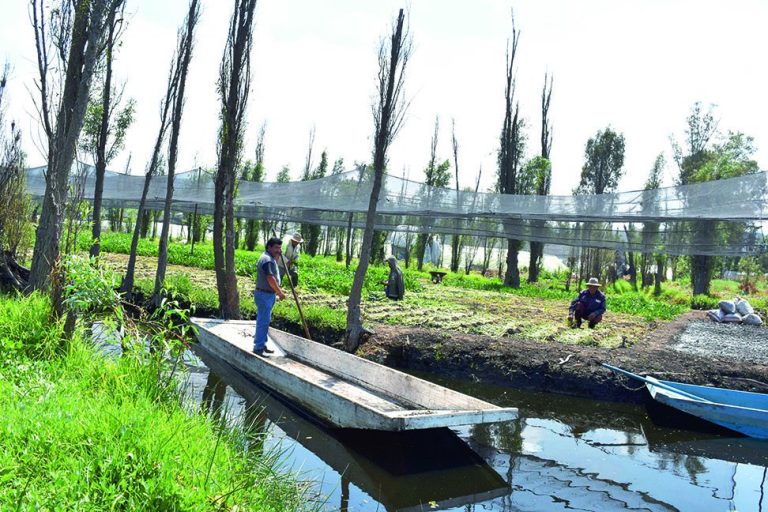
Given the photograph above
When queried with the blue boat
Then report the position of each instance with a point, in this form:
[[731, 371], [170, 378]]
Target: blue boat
[[740, 411]]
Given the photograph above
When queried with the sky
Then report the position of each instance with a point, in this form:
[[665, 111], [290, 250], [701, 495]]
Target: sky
[[637, 66]]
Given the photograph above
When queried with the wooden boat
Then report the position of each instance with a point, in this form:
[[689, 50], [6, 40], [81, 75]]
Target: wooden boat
[[410, 471], [740, 411], [342, 389]]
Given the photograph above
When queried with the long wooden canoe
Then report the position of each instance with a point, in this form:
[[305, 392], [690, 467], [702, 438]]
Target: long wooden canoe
[[342, 389], [740, 411], [410, 471]]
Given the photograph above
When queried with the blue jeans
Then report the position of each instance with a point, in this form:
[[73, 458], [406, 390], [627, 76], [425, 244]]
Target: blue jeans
[[264, 303]]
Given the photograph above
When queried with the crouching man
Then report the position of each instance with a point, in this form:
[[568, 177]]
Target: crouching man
[[589, 306]]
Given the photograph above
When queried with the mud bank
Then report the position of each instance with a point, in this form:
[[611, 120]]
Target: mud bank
[[571, 369]]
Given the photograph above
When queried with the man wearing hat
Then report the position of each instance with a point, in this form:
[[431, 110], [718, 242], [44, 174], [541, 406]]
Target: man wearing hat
[[589, 305], [291, 257]]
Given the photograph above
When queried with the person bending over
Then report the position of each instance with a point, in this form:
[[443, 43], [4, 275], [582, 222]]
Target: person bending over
[[394, 285], [589, 306]]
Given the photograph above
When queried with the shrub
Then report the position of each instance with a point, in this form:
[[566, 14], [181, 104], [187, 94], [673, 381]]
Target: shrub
[[704, 302]]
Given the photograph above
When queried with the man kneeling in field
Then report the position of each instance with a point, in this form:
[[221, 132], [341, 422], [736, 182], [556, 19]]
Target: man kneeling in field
[[589, 305]]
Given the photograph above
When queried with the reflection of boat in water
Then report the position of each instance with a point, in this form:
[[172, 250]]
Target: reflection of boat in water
[[740, 450], [404, 471], [343, 389], [740, 411]]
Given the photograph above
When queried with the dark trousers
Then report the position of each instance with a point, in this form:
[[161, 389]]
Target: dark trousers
[[580, 314], [294, 275]]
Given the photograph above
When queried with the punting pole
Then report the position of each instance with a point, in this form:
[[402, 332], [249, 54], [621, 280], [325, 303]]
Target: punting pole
[[293, 289], [657, 383]]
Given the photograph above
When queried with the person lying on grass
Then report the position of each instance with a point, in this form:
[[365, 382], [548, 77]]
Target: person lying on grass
[[589, 306]]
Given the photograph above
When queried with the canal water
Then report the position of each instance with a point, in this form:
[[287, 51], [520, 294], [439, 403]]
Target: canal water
[[561, 454]]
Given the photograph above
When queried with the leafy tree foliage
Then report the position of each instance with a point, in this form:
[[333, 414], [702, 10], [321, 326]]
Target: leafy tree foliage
[[312, 231], [708, 155], [604, 163], [284, 176]]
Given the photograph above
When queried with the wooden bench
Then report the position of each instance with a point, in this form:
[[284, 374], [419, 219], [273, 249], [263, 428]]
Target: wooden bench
[[437, 277]]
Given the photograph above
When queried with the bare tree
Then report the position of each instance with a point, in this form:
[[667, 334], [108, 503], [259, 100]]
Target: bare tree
[[437, 175], [77, 39], [105, 127], [252, 225], [234, 84], [184, 57], [510, 153], [473, 241], [456, 238], [166, 105], [15, 202], [544, 182], [388, 113]]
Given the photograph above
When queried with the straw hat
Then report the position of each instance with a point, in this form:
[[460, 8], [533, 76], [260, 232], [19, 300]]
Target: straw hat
[[593, 282], [297, 238]]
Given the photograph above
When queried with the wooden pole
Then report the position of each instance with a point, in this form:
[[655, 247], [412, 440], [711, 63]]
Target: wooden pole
[[293, 289]]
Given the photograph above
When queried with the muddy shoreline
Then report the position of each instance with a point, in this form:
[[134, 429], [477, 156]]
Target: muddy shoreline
[[573, 370], [565, 369]]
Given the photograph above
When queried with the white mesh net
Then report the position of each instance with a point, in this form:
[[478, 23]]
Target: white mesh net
[[714, 218]]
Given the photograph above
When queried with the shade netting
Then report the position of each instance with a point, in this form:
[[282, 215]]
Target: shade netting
[[722, 217]]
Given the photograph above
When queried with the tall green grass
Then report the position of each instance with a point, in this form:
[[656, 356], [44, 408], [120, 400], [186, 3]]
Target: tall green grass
[[80, 432]]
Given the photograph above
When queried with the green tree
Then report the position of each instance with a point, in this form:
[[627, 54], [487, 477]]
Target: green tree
[[388, 114], [312, 231], [511, 150], [257, 174], [702, 159], [338, 232], [650, 230], [437, 175], [604, 163], [284, 176], [544, 180], [602, 170]]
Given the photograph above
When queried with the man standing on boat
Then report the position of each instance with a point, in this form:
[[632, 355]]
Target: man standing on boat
[[267, 291], [288, 263], [589, 306]]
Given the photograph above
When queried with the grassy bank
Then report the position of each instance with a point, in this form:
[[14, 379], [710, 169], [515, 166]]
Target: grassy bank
[[463, 303], [81, 432]]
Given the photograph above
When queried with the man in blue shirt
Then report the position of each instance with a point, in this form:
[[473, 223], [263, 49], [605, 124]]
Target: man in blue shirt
[[589, 305], [267, 291]]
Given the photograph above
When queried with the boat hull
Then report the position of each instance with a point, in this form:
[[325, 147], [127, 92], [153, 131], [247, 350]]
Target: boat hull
[[341, 389], [750, 421]]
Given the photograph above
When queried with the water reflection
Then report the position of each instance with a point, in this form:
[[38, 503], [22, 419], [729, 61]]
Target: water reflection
[[560, 454], [417, 470]]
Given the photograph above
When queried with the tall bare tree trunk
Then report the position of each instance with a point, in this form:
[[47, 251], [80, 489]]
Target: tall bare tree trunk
[[101, 150], [186, 39], [510, 154], [456, 238], [388, 115], [234, 83], [543, 186], [142, 216], [85, 46]]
